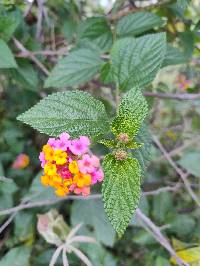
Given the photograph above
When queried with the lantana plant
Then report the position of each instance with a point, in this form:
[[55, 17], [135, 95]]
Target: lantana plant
[[77, 119]]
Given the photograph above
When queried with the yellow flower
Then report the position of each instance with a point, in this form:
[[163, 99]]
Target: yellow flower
[[60, 157], [82, 180], [67, 182], [50, 169], [56, 181], [73, 167], [45, 180], [61, 191], [48, 152]]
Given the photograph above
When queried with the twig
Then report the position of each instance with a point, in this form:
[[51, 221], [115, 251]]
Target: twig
[[7, 222], [28, 9], [178, 150], [155, 231], [20, 46], [29, 205], [134, 9], [180, 96], [162, 189], [39, 20], [182, 175], [62, 51]]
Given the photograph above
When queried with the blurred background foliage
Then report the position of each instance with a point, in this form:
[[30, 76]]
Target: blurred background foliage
[[49, 36]]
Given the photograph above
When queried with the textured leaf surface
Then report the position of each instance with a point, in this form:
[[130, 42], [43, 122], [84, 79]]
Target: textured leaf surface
[[137, 23], [76, 68], [121, 190], [132, 111], [6, 57], [97, 31], [136, 62], [76, 112], [190, 162], [91, 213], [174, 57], [143, 154]]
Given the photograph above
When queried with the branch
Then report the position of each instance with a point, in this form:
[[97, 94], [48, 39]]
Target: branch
[[182, 175], [20, 46], [180, 96], [122, 13], [155, 231], [30, 205]]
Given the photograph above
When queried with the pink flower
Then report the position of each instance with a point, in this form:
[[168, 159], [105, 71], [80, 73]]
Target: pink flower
[[80, 146], [86, 164], [42, 159], [52, 142], [84, 190], [95, 161], [97, 176], [64, 136], [62, 145], [64, 172]]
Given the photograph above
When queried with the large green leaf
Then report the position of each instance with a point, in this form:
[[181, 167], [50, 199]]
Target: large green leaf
[[121, 190], [76, 68], [137, 23], [16, 257], [132, 111], [136, 62], [91, 213], [76, 112], [174, 57], [97, 31], [6, 57]]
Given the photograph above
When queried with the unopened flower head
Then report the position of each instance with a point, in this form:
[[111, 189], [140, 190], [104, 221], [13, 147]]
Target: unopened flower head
[[69, 166], [21, 161]]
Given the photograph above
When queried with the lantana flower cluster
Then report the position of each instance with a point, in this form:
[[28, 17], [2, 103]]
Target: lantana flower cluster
[[69, 166]]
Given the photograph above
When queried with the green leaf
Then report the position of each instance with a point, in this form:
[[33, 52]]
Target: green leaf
[[16, 256], [75, 112], [132, 111], [143, 154], [162, 205], [24, 231], [174, 57], [9, 21], [76, 68], [92, 214], [6, 57], [137, 23], [183, 4], [25, 75], [97, 31], [160, 261], [182, 225], [121, 190], [135, 62], [190, 161]]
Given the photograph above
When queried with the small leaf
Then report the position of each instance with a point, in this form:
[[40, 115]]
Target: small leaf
[[97, 31], [108, 143], [121, 190], [132, 111], [143, 154], [190, 162], [76, 112], [76, 68], [7, 59], [135, 24], [135, 62], [191, 255]]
